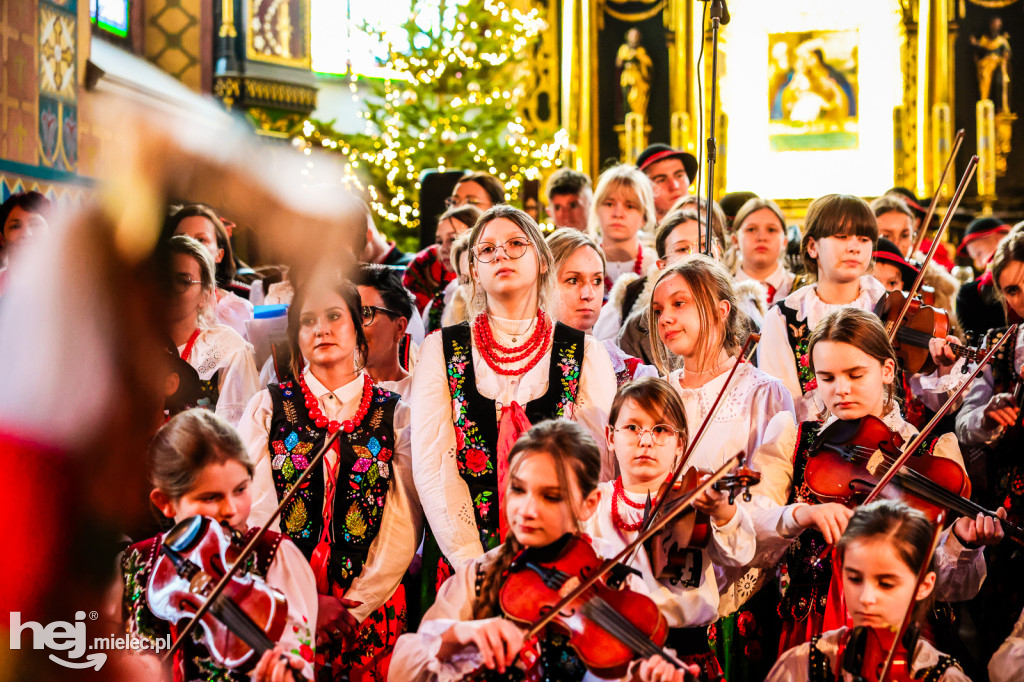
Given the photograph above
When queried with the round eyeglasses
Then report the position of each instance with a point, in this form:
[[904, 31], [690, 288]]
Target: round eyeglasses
[[661, 434], [513, 248], [369, 313]]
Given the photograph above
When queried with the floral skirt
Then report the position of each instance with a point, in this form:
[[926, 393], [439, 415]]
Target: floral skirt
[[746, 642], [367, 657]]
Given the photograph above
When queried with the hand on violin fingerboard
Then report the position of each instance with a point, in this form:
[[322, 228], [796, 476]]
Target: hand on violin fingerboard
[[983, 530], [715, 504], [830, 519], [657, 669], [942, 354], [277, 665]]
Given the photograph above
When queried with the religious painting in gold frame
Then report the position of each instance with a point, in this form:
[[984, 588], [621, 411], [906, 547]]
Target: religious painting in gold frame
[[813, 90], [277, 31]]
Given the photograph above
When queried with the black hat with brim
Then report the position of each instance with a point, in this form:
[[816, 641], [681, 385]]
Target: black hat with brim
[[979, 228], [887, 252], [660, 152]]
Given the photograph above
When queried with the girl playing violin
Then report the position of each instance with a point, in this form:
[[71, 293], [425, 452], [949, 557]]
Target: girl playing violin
[[552, 489], [199, 466], [839, 237], [479, 384], [356, 519], [694, 312], [882, 550], [855, 367], [648, 432], [989, 424]]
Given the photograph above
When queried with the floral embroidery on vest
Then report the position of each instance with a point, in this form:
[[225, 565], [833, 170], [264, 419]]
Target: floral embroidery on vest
[[570, 366], [472, 452], [799, 337]]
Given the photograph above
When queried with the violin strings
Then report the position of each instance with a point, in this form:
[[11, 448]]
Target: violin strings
[[927, 486], [239, 622], [617, 625]]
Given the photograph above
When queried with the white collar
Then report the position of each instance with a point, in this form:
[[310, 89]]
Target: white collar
[[893, 419], [776, 279], [343, 393], [805, 300]]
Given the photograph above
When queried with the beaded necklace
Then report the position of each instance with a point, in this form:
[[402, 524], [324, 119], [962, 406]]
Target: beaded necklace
[[496, 354], [348, 425], [620, 494]]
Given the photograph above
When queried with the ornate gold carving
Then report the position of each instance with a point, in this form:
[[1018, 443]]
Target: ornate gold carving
[[280, 93], [283, 126], [992, 4], [1004, 136], [227, 25], [228, 90], [633, 17], [270, 32]]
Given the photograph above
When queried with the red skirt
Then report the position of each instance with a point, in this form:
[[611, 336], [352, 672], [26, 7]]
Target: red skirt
[[367, 657]]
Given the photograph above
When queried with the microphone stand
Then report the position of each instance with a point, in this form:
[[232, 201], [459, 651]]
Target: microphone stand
[[717, 11]]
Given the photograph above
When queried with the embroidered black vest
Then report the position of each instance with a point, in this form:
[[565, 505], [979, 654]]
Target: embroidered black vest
[[1003, 469], [476, 429], [799, 335], [804, 579], [192, 660], [364, 476]]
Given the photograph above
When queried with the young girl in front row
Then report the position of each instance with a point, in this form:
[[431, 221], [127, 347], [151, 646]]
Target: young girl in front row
[[553, 477], [882, 551], [648, 433], [839, 237], [855, 367], [199, 466]]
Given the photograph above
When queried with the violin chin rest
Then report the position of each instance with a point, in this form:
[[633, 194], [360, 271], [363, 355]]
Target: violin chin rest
[[184, 535]]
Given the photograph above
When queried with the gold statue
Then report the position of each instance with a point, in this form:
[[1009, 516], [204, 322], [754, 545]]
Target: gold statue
[[635, 80], [992, 59]]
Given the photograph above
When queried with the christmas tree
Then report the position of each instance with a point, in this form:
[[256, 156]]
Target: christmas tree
[[452, 104]]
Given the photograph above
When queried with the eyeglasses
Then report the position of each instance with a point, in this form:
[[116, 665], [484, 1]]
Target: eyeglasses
[[513, 248], [370, 313], [661, 434], [182, 283], [453, 201]]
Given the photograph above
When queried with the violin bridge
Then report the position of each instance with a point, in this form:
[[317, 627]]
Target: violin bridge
[[875, 462]]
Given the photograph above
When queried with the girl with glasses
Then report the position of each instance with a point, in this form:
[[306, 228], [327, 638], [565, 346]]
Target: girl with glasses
[[480, 384], [222, 358], [694, 321], [205, 226], [647, 433], [357, 519], [431, 271]]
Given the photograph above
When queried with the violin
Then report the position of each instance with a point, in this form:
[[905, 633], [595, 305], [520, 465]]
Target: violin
[[864, 651], [243, 622], [883, 654], [921, 323], [569, 594], [608, 628], [849, 458], [692, 528]]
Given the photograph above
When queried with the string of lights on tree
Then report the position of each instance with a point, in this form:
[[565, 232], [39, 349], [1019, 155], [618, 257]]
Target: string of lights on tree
[[451, 103]]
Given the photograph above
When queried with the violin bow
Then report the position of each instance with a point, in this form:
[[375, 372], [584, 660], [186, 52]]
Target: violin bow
[[905, 622], [930, 426], [957, 196], [740, 358], [935, 198], [656, 525], [250, 547]]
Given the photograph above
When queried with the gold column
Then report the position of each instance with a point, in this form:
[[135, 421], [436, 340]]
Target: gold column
[[680, 20], [906, 162], [942, 143], [579, 79], [986, 116]]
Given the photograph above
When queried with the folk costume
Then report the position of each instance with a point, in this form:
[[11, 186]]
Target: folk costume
[[755, 417], [787, 332], [277, 560], [689, 598], [416, 654], [226, 368], [810, 600], [778, 285], [357, 520], [997, 476], [469, 405], [818, 661], [233, 311]]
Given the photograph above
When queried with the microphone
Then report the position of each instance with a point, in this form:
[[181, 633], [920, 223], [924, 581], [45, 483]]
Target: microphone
[[721, 10]]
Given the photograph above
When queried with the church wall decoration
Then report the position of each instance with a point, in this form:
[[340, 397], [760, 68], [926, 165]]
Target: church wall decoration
[[813, 89], [58, 84]]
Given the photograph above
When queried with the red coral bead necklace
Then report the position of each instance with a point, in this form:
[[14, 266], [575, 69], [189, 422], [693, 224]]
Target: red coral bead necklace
[[348, 425]]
